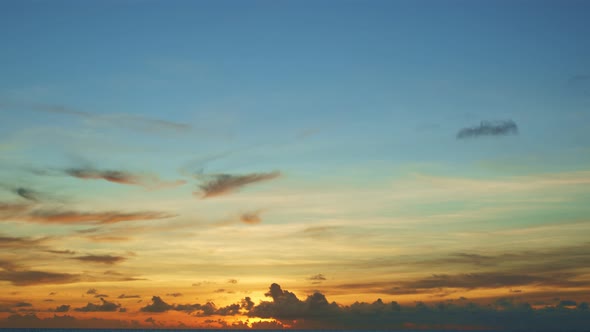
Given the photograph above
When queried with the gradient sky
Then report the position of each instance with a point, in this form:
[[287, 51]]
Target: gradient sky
[[171, 163]]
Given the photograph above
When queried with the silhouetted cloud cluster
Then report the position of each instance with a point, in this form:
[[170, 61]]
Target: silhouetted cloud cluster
[[221, 184], [104, 306], [207, 309], [487, 128], [318, 313]]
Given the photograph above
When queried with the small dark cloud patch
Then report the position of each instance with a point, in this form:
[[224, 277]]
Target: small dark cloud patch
[[232, 281], [157, 305], [488, 128], [104, 306], [123, 296], [101, 295], [222, 184], [63, 308], [62, 252], [317, 277], [48, 300], [174, 294], [101, 259], [22, 304], [27, 194], [251, 218]]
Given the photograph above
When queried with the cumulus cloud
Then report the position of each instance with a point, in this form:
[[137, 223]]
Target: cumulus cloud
[[102, 259], [104, 306], [207, 309], [487, 128], [157, 305], [316, 312], [121, 177], [222, 184]]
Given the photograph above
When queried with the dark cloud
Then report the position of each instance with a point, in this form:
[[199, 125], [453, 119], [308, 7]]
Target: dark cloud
[[157, 305], [22, 304], [101, 295], [221, 184], [61, 252], [27, 194], [63, 308], [29, 278], [251, 218], [9, 242], [121, 177], [318, 277], [102, 259], [232, 281], [487, 128], [207, 309], [75, 217], [104, 306], [64, 322], [92, 291], [316, 312], [174, 294], [123, 296]]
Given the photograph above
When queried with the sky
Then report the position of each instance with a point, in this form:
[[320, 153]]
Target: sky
[[295, 164]]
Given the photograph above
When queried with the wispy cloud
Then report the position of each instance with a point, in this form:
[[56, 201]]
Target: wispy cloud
[[27, 194], [121, 177], [221, 184], [125, 121], [28, 278], [102, 259], [75, 217], [487, 128]]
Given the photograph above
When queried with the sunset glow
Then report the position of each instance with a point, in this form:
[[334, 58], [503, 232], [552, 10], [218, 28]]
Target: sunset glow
[[295, 164]]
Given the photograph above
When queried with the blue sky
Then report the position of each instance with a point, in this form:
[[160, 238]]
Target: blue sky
[[201, 136]]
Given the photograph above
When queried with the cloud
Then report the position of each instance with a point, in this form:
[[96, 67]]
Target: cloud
[[222, 184], [316, 312], [104, 306], [22, 304], [157, 305], [251, 218], [102, 259], [232, 281], [317, 279], [10, 210], [29, 278], [174, 294], [123, 296], [74, 217], [92, 291], [121, 177], [63, 308], [9, 242], [61, 252], [27, 194], [486, 128], [125, 121], [207, 309]]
